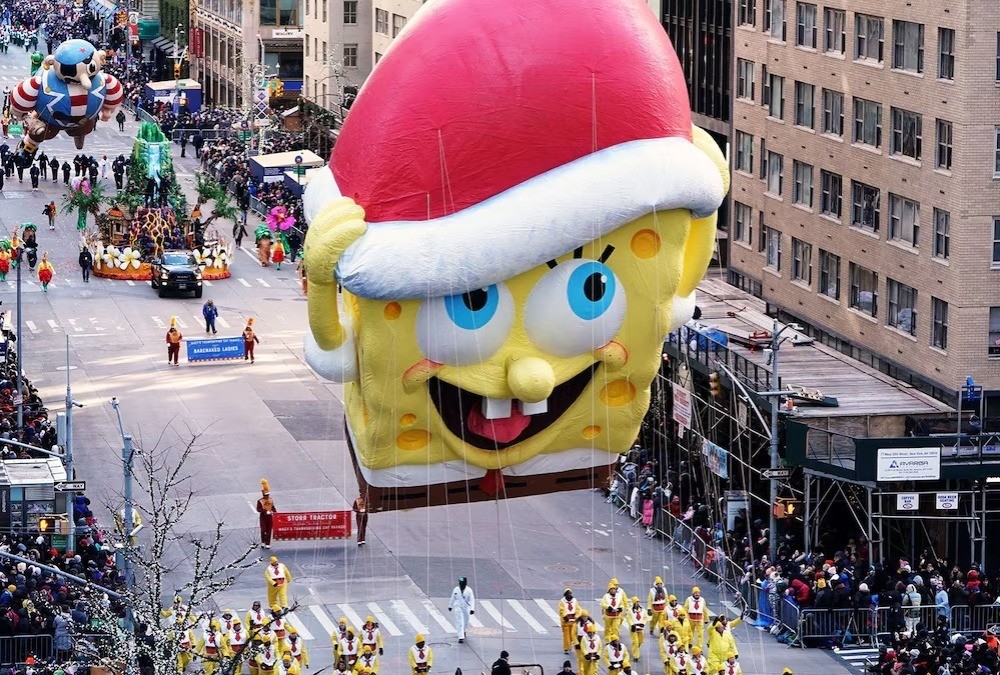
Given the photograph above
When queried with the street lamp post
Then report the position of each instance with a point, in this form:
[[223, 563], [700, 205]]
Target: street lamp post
[[20, 366], [775, 397], [128, 455], [68, 452]]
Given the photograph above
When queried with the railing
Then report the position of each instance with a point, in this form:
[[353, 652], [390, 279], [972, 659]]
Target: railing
[[15, 649], [694, 346], [209, 135], [823, 627]]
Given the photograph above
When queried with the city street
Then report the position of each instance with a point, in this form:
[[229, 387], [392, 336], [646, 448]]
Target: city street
[[275, 419]]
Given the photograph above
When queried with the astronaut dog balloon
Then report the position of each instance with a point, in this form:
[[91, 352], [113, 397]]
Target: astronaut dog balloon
[[68, 94], [518, 210]]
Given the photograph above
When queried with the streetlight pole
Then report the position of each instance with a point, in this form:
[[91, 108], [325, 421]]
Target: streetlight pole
[[128, 517], [775, 459], [20, 368], [68, 453]]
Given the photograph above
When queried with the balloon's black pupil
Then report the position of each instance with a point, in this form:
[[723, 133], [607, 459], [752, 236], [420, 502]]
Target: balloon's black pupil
[[475, 300], [594, 287]]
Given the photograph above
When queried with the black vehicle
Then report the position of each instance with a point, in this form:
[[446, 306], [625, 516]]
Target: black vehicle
[[176, 271]]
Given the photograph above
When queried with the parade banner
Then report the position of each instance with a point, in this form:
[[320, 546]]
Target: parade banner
[[716, 458], [312, 525], [682, 406], [214, 349]]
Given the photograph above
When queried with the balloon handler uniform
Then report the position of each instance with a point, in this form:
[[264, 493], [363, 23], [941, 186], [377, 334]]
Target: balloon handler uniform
[[635, 619], [68, 94], [590, 651], [615, 656], [185, 645], [680, 625], [670, 646], [697, 612], [508, 275], [721, 643], [613, 607], [657, 603], [421, 657], [278, 578], [568, 609], [698, 665]]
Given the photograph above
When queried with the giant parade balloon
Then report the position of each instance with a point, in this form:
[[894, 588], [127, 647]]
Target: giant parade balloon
[[516, 213]]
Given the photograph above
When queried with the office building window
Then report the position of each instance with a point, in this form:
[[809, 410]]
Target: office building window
[[350, 56], [765, 86], [865, 208], [325, 5], [350, 12], [381, 21], [946, 54], [307, 47], [744, 152], [906, 133], [397, 24], [802, 261], [805, 25], [829, 274], [904, 219], [831, 189], [902, 307], [864, 290], [775, 173], [998, 58], [867, 122], [942, 158], [908, 46], [776, 102], [834, 30], [868, 37], [942, 234], [802, 184], [743, 223], [325, 54], [994, 331], [833, 112], [996, 152], [763, 160], [804, 94], [776, 19], [771, 240], [745, 79], [939, 321], [747, 10], [996, 241]]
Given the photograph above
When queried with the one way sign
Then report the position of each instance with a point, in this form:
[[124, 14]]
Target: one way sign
[[773, 474], [71, 486]]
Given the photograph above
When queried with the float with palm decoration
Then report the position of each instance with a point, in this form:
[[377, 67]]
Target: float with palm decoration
[[151, 216]]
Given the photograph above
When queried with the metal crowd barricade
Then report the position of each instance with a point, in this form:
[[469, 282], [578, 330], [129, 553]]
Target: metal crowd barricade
[[14, 649]]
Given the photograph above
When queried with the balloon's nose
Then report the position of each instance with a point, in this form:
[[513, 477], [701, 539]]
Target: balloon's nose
[[531, 379]]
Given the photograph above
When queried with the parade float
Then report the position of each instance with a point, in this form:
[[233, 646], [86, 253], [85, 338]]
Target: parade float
[[151, 216]]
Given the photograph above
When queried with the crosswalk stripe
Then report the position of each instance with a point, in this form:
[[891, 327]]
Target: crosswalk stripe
[[180, 323], [437, 616], [383, 619], [475, 622], [130, 282], [547, 608], [497, 616], [404, 611], [222, 322], [207, 282], [352, 616], [530, 620], [321, 616], [158, 321], [299, 626], [263, 283], [53, 325], [72, 323], [243, 281], [31, 326]]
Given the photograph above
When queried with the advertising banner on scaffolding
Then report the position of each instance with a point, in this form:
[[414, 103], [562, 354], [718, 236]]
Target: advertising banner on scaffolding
[[682, 406], [899, 464], [716, 458]]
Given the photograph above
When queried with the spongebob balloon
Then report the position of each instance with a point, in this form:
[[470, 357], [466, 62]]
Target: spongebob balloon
[[517, 211]]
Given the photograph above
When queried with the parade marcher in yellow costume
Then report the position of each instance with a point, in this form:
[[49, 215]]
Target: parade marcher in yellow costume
[[590, 651], [682, 627], [367, 662], [583, 620], [670, 646], [615, 656], [185, 644], [568, 609], [721, 642], [278, 578], [635, 619], [421, 657], [732, 666], [210, 648], [371, 636], [290, 665], [698, 664], [657, 604], [697, 612], [613, 606], [297, 647]]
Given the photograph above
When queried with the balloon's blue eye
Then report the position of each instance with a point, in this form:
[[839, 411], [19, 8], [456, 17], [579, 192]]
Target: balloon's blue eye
[[474, 309], [591, 290]]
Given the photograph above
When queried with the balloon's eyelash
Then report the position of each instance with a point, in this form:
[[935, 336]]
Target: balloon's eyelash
[[608, 250], [578, 253]]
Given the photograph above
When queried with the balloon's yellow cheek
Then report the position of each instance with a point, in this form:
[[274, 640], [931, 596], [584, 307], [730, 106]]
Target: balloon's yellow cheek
[[556, 362]]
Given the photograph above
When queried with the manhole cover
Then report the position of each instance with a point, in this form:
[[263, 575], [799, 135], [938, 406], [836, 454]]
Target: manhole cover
[[560, 567], [317, 565], [577, 583], [439, 644], [599, 550], [485, 632], [309, 580]]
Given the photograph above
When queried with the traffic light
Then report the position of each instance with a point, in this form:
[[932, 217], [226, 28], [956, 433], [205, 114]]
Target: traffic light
[[714, 385], [279, 89], [47, 524], [177, 71]]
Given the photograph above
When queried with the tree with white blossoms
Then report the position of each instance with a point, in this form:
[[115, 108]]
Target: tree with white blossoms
[[168, 562]]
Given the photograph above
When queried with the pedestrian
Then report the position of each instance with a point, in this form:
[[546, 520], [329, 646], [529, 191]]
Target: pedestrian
[[104, 166], [184, 144], [54, 168], [20, 171], [120, 118], [278, 578], [34, 173], [249, 338], [294, 245], [501, 666], [5, 123], [65, 172], [210, 312], [50, 211], [86, 263], [421, 657], [92, 172], [174, 338], [266, 509], [240, 231], [360, 509], [463, 604], [198, 141], [45, 272], [43, 165], [567, 669], [77, 165]]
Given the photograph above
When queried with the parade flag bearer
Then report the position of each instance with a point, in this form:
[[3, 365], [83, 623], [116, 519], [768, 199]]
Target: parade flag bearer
[[266, 509]]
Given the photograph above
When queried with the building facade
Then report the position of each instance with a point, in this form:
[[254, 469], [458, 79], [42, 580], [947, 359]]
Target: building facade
[[865, 198]]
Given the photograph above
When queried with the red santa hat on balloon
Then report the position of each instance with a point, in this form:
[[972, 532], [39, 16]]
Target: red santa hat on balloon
[[493, 137]]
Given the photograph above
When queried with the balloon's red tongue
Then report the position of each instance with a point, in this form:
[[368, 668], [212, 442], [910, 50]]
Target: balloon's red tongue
[[500, 430]]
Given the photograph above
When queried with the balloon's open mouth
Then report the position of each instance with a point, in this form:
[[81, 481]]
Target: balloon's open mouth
[[495, 424]]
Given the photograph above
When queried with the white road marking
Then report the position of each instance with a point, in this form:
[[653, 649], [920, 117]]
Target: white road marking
[[31, 326], [263, 283], [547, 608], [437, 616], [207, 283], [53, 325], [299, 626], [253, 255], [180, 324], [130, 282], [493, 612], [384, 620], [530, 620], [243, 281], [148, 282], [93, 321], [158, 321], [352, 617], [405, 612], [72, 322], [475, 622], [321, 616], [222, 322]]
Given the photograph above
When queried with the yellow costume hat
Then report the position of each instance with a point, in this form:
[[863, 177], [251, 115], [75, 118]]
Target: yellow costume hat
[[635, 599], [292, 632], [274, 559], [612, 637], [343, 621], [367, 649], [419, 638], [695, 590], [731, 655], [236, 621], [657, 580], [697, 650], [672, 598], [787, 671], [369, 619], [265, 487], [591, 628], [583, 612], [613, 582], [275, 608]]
